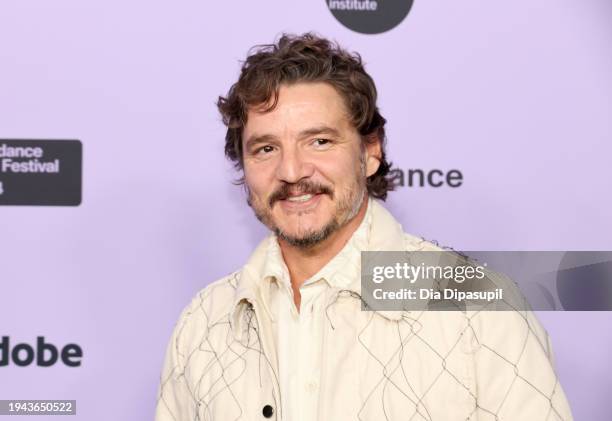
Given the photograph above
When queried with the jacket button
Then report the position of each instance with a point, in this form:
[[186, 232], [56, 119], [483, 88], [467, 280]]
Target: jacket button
[[267, 411]]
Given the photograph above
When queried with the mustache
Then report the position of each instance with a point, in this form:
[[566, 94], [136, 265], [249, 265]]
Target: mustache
[[301, 187]]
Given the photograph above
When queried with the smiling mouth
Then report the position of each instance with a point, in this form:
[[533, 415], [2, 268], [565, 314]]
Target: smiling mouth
[[302, 203], [302, 198], [299, 194]]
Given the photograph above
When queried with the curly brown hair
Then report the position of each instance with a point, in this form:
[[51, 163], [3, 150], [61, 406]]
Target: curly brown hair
[[305, 58]]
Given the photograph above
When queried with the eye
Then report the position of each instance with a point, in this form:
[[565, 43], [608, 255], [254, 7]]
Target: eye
[[264, 150], [321, 143]]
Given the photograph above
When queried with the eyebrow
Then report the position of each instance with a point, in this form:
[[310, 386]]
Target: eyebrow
[[318, 130]]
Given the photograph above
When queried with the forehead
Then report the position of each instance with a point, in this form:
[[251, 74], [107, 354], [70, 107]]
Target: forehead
[[300, 106]]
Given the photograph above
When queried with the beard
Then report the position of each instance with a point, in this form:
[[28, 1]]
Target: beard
[[347, 204]]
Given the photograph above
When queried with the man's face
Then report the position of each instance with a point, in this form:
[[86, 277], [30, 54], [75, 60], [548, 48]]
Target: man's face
[[305, 165]]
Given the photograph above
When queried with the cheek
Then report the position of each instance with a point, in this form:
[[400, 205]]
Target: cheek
[[340, 169], [256, 180]]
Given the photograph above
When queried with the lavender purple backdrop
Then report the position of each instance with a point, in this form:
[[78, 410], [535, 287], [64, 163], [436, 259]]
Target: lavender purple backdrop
[[517, 95]]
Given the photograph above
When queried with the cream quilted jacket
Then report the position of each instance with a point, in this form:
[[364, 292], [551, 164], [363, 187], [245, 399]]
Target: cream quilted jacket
[[222, 363]]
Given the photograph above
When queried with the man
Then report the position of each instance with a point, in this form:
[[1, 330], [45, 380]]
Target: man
[[285, 336]]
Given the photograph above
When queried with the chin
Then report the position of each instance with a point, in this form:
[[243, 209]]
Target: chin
[[306, 235], [300, 233], [304, 226]]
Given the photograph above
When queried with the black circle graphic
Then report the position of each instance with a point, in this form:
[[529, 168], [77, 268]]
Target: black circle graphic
[[370, 16]]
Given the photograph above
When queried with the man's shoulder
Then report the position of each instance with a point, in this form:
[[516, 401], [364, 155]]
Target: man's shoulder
[[221, 290], [211, 305], [414, 243]]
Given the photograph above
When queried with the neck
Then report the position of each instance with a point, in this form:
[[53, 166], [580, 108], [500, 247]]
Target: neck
[[304, 263]]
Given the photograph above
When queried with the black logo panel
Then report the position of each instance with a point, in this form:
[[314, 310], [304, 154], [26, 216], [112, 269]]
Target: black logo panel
[[40, 172]]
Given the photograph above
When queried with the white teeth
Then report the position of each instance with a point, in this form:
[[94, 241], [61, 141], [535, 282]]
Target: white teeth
[[301, 198]]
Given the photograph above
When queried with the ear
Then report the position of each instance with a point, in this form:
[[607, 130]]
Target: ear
[[373, 151]]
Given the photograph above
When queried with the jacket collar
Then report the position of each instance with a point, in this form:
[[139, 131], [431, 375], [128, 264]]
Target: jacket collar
[[379, 231]]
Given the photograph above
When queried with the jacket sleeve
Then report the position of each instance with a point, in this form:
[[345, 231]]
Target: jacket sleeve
[[514, 372], [175, 400]]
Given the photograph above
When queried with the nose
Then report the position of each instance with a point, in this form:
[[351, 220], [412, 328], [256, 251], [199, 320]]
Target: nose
[[292, 166]]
